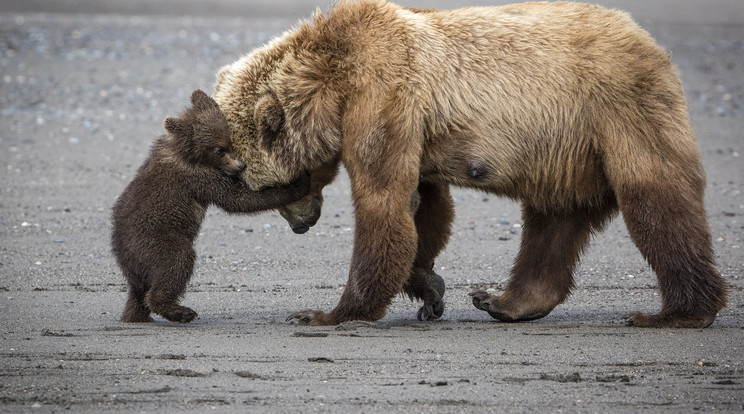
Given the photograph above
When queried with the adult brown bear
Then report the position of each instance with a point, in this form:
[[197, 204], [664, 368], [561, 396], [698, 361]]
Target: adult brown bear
[[570, 108]]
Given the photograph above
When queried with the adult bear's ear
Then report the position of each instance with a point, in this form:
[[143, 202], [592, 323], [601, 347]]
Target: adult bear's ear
[[269, 117]]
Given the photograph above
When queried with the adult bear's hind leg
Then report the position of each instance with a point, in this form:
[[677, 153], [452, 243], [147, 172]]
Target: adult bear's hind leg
[[542, 275], [668, 225]]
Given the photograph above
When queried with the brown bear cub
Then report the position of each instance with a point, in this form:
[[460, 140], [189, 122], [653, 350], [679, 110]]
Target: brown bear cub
[[157, 217]]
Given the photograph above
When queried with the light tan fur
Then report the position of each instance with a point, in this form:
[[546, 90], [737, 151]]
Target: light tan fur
[[570, 108]]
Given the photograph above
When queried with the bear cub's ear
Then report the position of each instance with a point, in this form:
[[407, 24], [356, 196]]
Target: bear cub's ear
[[269, 117], [178, 127], [202, 101]]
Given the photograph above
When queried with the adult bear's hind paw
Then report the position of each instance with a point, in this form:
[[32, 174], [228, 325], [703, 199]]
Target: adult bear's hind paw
[[310, 317], [670, 320], [479, 299], [509, 310]]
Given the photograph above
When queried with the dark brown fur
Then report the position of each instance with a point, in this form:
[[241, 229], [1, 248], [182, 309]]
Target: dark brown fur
[[157, 217]]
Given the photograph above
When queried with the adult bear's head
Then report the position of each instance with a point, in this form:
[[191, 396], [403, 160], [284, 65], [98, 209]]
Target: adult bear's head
[[283, 108]]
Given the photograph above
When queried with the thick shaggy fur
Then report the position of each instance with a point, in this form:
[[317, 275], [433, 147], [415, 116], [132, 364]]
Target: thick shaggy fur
[[157, 217], [570, 108]]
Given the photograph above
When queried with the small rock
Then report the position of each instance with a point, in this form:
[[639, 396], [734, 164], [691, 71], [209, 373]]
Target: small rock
[[320, 359], [310, 334], [246, 374]]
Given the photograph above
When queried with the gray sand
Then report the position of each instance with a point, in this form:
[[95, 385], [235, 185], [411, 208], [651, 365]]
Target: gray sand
[[85, 86]]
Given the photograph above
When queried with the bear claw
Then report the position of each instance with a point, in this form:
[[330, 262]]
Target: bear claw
[[433, 304], [479, 299], [305, 316], [430, 312], [503, 311], [484, 301]]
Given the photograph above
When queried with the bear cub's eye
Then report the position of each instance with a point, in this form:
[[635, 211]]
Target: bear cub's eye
[[220, 151]]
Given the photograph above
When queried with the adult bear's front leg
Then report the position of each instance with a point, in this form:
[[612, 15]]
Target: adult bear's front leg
[[384, 251], [433, 219], [381, 152]]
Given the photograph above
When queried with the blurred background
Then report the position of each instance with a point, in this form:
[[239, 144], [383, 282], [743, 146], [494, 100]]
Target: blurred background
[[720, 11]]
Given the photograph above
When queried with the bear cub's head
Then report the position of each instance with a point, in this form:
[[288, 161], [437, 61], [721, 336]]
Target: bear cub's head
[[201, 136]]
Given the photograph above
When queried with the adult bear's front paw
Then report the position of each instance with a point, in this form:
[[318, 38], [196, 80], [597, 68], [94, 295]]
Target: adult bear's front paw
[[433, 304], [431, 311], [312, 317]]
